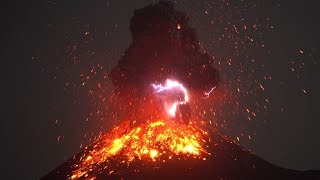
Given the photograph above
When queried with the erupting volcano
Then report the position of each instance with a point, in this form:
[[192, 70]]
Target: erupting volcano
[[159, 140], [159, 85]]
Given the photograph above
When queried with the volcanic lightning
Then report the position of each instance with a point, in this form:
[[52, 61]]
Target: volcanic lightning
[[208, 93], [172, 86]]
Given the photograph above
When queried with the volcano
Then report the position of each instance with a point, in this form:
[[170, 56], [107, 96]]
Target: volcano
[[214, 157], [149, 145]]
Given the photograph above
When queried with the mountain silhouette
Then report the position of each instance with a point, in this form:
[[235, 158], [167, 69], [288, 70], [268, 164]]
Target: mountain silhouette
[[227, 161]]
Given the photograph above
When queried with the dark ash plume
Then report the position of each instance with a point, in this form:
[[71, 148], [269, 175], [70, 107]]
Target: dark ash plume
[[164, 46]]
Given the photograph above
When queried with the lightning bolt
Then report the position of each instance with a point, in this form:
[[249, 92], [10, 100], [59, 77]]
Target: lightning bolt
[[207, 94], [169, 86]]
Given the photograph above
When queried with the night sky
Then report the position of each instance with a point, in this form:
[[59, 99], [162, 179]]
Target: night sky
[[45, 111]]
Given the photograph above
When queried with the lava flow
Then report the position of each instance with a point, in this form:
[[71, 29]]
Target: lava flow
[[155, 141], [149, 141]]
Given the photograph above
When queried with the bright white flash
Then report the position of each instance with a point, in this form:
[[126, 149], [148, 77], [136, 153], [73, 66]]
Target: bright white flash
[[172, 86]]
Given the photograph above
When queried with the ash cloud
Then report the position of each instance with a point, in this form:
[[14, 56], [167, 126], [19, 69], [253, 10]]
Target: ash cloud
[[164, 46]]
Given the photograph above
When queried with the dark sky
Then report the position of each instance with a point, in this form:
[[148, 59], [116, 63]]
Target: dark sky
[[35, 71]]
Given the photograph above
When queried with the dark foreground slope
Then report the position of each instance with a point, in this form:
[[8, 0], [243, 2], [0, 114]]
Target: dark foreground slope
[[227, 161]]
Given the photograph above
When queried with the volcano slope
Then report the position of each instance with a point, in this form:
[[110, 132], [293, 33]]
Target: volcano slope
[[223, 160]]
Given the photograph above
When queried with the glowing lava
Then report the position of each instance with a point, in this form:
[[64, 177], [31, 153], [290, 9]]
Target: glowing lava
[[149, 142], [171, 104]]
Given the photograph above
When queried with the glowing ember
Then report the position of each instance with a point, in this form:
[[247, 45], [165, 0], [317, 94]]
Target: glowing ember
[[149, 142], [174, 87]]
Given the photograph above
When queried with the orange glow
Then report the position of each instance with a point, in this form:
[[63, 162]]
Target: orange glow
[[149, 142]]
